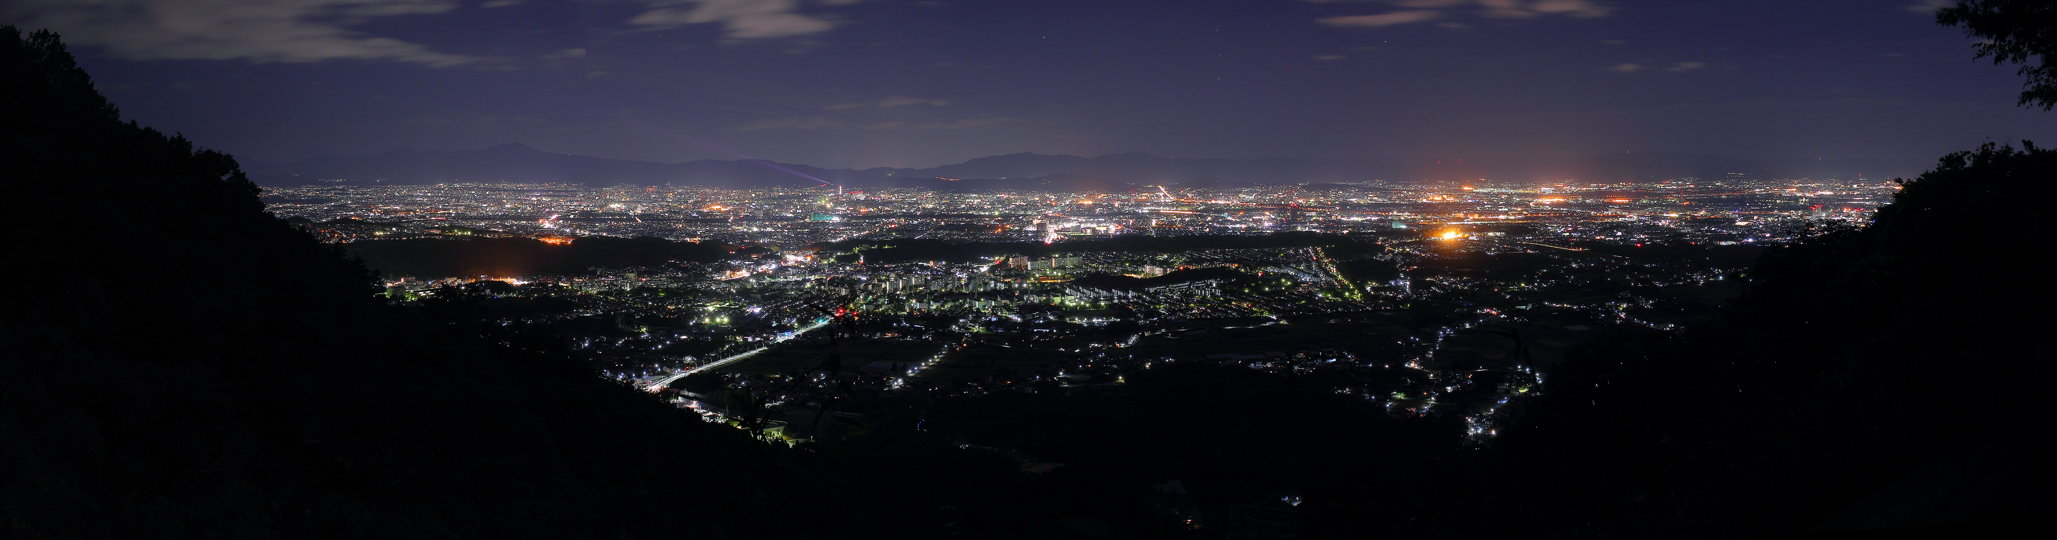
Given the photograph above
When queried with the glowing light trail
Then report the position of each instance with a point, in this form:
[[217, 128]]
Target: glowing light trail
[[666, 381]]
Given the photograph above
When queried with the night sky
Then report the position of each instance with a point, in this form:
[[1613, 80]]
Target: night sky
[[843, 83]]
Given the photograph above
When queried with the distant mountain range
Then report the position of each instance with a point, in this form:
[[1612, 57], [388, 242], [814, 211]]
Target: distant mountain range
[[515, 162]]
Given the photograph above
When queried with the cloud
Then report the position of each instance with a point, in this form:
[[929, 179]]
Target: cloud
[[1574, 8], [1683, 67], [1506, 9], [1382, 19], [962, 123], [889, 102], [1929, 7], [1330, 57], [956, 124], [816, 122], [1415, 11], [812, 122], [897, 101], [742, 19], [564, 58], [286, 31], [1676, 67]]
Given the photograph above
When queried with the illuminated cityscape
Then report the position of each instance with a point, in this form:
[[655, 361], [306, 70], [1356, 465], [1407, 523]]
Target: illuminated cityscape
[[967, 293], [1046, 270], [1689, 211]]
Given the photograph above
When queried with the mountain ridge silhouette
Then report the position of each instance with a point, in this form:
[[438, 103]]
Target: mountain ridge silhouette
[[520, 163]]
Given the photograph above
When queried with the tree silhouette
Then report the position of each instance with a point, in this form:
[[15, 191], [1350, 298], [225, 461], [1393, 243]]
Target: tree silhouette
[[2014, 31], [183, 364]]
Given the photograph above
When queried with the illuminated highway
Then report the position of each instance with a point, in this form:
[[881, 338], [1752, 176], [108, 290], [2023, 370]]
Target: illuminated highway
[[667, 380]]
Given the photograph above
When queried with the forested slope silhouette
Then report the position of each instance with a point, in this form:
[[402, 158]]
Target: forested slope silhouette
[[176, 363], [1855, 357]]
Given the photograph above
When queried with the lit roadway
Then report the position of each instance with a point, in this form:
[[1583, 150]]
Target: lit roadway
[[667, 380]]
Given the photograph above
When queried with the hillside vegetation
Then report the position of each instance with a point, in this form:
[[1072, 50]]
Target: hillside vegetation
[[180, 364]]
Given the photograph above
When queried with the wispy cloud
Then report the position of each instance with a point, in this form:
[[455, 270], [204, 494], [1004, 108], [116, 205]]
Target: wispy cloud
[[741, 19], [1414, 11], [289, 31], [1675, 67], [812, 122], [896, 101], [1574, 8], [889, 102], [953, 124], [1382, 19], [1683, 67], [1929, 7], [1506, 9], [564, 58], [817, 122]]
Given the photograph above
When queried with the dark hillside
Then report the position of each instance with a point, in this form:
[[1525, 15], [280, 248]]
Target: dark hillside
[[1855, 358], [183, 365]]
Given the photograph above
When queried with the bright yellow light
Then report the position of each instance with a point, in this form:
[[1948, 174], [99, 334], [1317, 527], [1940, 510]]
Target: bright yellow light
[[1451, 235]]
